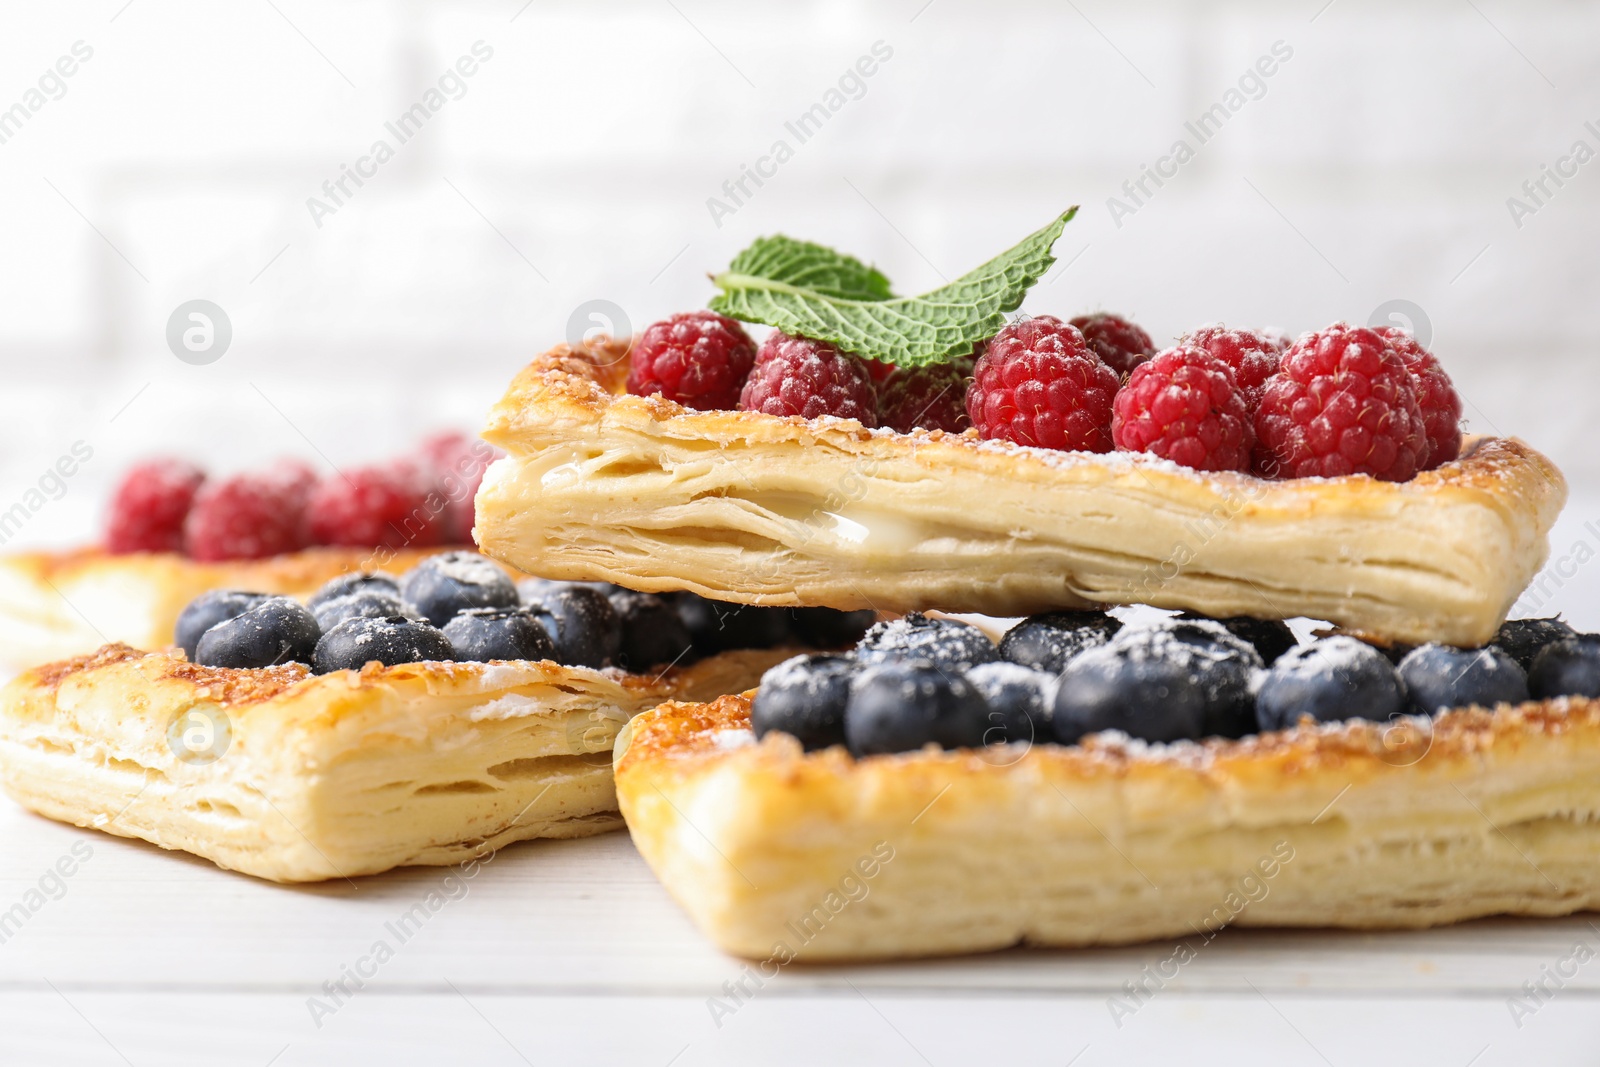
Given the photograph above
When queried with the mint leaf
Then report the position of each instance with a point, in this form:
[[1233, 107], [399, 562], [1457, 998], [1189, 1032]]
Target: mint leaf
[[811, 266], [811, 291]]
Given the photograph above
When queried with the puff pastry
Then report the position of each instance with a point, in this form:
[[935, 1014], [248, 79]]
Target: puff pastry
[[299, 778], [59, 604], [776, 853], [757, 508]]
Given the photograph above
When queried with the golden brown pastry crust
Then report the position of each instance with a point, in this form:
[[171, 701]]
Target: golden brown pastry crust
[[59, 604], [752, 507], [1362, 825], [334, 775]]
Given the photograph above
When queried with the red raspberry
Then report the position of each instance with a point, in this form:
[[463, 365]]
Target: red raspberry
[[371, 507], [1184, 405], [799, 376], [149, 506], [1253, 356], [455, 462], [248, 516], [1116, 340], [1038, 383], [879, 370], [933, 398], [1341, 403], [1436, 397], [698, 358], [296, 475]]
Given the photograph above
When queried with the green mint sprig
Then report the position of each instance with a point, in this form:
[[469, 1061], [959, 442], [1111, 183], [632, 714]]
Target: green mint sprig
[[811, 291]]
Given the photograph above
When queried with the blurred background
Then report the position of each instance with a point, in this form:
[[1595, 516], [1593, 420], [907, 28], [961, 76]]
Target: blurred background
[[1345, 160]]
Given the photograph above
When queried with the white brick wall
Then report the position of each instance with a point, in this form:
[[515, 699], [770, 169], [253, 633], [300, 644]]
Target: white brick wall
[[593, 137]]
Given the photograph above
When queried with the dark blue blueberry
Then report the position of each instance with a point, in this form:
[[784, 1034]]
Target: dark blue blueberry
[[442, 585], [805, 697], [1440, 676], [1331, 680], [901, 705], [370, 602], [652, 633], [1046, 642], [479, 635], [354, 582], [829, 627], [208, 609], [1271, 638], [356, 642], [716, 626], [532, 589], [1569, 667], [1523, 639], [275, 630], [1156, 698], [952, 646], [1020, 701], [1219, 662], [583, 624]]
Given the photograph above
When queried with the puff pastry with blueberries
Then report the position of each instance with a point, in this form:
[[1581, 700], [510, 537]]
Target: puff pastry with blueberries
[[779, 853], [297, 777]]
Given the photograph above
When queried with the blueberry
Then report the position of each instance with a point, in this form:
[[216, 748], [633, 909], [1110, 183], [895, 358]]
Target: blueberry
[[1020, 700], [901, 705], [1438, 677], [583, 624], [353, 582], [1569, 667], [442, 585], [652, 633], [370, 602], [397, 639], [806, 697], [479, 635], [829, 627], [208, 609], [715, 626], [1331, 680], [1523, 639], [530, 590], [1271, 638], [275, 630], [1046, 642], [1219, 662], [1110, 688], [954, 647]]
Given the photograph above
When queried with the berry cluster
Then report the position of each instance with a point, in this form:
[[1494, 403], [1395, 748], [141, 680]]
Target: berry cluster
[[420, 500], [459, 606], [1062, 676], [1344, 400]]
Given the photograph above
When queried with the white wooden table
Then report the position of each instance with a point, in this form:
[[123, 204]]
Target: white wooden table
[[570, 952]]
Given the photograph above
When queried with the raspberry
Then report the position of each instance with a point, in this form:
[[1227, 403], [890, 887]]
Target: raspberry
[[879, 370], [455, 463], [1116, 340], [799, 376], [1253, 356], [1436, 397], [933, 398], [371, 507], [1185, 406], [1038, 383], [1341, 403], [149, 506], [697, 358], [297, 477], [248, 516]]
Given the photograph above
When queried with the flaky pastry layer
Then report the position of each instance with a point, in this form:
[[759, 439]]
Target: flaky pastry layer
[[778, 853], [750, 507], [59, 604], [296, 778]]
